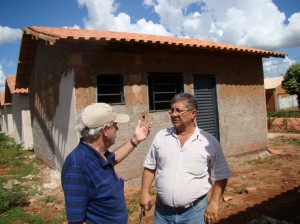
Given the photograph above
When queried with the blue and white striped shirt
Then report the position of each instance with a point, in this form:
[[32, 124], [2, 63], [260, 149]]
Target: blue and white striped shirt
[[93, 192]]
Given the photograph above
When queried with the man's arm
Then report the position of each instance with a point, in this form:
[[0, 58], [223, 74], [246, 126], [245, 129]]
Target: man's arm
[[211, 211], [147, 179], [140, 134]]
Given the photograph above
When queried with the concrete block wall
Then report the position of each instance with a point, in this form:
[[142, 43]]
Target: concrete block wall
[[240, 93], [243, 124]]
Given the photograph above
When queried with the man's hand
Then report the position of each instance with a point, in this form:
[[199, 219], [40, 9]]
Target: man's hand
[[211, 212], [146, 201], [142, 131]]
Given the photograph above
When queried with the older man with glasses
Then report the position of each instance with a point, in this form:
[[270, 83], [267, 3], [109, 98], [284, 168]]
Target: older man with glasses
[[188, 162]]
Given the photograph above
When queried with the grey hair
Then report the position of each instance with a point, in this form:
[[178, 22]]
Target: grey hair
[[89, 133], [188, 98]]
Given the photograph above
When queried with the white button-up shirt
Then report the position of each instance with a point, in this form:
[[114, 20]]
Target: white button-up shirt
[[185, 174]]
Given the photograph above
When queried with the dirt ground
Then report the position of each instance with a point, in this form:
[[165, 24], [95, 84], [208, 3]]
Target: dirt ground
[[263, 184]]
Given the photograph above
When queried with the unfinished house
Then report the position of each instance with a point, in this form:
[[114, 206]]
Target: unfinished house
[[2, 127], [277, 98], [67, 69], [6, 108], [21, 114]]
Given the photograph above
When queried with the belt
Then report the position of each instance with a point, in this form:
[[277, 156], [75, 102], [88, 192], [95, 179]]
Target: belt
[[187, 207]]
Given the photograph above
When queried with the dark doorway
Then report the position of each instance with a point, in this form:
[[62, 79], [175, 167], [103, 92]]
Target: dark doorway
[[206, 96]]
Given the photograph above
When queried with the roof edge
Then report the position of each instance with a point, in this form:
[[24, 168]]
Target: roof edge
[[52, 34]]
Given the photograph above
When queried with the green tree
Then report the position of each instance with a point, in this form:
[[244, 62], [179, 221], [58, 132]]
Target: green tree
[[291, 81]]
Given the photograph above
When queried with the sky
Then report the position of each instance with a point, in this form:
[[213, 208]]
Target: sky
[[264, 24]]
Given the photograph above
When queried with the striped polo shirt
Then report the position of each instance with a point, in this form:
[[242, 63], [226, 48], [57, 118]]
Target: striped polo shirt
[[93, 192]]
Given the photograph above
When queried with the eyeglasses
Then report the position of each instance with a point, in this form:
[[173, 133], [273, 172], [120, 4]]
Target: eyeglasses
[[178, 112]]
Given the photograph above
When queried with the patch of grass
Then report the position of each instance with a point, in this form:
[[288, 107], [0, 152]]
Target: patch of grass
[[22, 169], [258, 160], [254, 161], [15, 165], [240, 191], [133, 204], [11, 199], [48, 199], [34, 191], [17, 215], [60, 219], [284, 113], [296, 142]]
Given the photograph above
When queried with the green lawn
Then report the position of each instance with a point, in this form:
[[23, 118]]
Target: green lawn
[[15, 164]]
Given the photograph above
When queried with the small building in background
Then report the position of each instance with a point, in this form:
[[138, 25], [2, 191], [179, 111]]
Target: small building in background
[[1, 111], [19, 119], [6, 110], [277, 98]]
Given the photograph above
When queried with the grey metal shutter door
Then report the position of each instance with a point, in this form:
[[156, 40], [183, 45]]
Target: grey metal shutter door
[[205, 94]]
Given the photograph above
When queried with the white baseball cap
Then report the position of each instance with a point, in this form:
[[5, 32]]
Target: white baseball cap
[[98, 114]]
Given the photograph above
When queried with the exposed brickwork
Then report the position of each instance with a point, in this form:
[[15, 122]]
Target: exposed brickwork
[[285, 124], [240, 92]]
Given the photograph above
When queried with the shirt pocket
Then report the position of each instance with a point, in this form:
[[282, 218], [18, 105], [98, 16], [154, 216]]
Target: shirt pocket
[[196, 166]]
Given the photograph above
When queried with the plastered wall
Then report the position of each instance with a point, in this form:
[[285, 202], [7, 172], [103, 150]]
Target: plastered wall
[[22, 120]]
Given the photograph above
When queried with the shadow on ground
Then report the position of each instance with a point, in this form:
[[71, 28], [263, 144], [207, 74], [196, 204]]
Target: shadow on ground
[[285, 206]]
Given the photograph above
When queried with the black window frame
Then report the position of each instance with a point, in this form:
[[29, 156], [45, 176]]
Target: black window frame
[[162, 87], [110, 88]]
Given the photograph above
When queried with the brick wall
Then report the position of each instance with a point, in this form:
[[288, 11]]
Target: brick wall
[[241, 99], [240, 92]]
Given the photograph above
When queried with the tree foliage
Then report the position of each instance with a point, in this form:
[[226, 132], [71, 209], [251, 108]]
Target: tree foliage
[[291, 81]]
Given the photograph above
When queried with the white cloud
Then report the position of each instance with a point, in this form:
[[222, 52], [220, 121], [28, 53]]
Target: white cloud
[[2, 79], [291, 35], [72, 27], [6, 63], [101, 16], [231, 21], [148, 3], [253, 23], [275, 67], [100, 13], [9, 35]]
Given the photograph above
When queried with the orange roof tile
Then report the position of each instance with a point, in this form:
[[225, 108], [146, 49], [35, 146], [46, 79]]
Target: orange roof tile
[[11, 82], [21, 90], [280, 90], [52, 34], [2, 99]]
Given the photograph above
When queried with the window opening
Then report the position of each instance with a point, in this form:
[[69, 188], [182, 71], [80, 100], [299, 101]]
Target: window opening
[[162, 88], [110, 89]]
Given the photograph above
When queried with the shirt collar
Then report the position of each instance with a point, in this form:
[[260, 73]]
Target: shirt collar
[[109, 155], [196, 135]]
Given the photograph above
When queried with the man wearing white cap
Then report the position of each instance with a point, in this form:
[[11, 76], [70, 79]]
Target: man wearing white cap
[[93, 191]]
